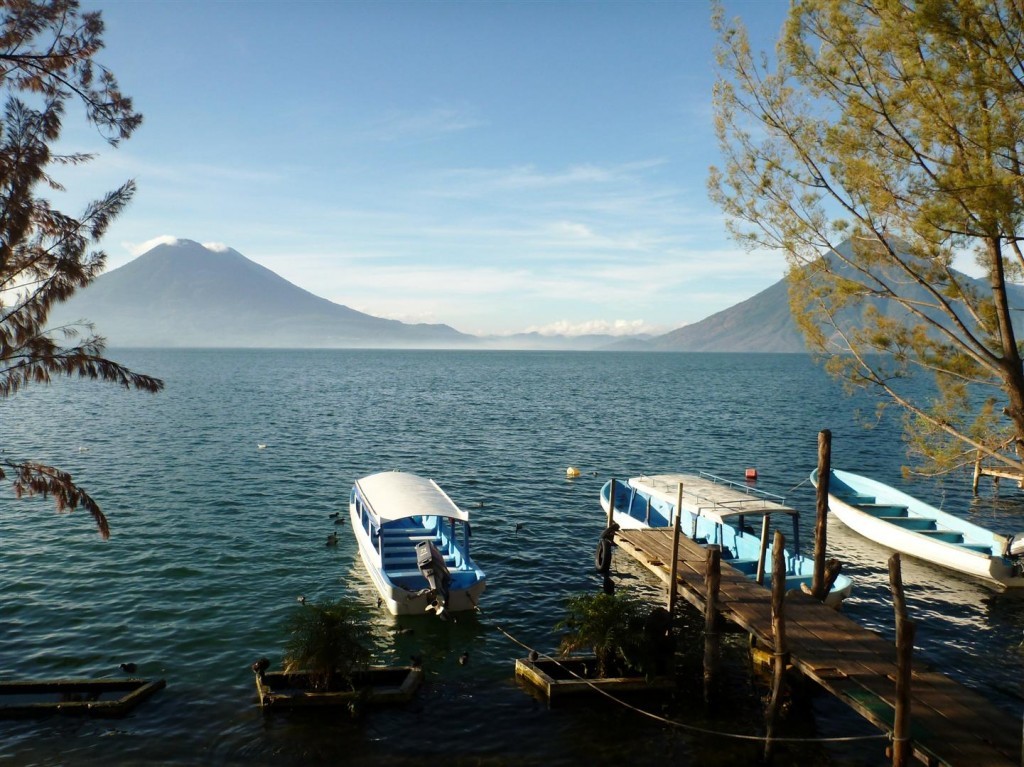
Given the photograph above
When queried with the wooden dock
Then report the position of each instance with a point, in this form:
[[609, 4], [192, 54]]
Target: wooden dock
[[996, 472], [950, 724]]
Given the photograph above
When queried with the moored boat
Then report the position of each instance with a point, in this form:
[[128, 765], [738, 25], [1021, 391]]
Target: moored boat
[[718, 511], [895, 519], [414, 542]]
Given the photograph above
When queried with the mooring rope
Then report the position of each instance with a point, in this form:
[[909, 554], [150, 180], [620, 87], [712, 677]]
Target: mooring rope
[[689, 727], [798, 485]]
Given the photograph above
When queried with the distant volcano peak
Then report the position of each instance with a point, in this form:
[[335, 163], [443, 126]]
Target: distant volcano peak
[[186, 294]]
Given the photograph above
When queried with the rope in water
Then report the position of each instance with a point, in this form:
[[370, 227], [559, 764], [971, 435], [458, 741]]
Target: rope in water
[[798, 485], [690, 727]]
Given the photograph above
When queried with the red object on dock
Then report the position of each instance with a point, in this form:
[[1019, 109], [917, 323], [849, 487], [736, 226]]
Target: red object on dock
[[751, 474]]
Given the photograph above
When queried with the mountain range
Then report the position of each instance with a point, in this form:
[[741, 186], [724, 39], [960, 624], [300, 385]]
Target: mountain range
[[183, 294]]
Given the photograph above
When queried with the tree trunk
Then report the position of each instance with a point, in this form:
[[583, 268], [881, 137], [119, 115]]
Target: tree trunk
[[1012, 368]]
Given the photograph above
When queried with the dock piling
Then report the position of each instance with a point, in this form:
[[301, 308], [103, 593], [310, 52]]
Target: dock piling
[[818, 587], [780, 655], [712, 581], [674, 571], [902, 748], [611, 502], [764, 550]]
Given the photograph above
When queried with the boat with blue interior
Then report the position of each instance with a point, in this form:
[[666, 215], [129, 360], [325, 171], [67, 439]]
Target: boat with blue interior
[[414, 542], [718, 511], [895, 519]]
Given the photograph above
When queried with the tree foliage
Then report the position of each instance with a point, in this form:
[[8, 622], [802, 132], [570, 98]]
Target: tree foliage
[[624, 635], [882, 140], [47, 64], [330, 641]]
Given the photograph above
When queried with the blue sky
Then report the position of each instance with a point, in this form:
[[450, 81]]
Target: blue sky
[[498, 167]]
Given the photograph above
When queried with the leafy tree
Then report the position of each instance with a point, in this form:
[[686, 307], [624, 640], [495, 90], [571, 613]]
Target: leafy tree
[[883, 139], [47, 50]]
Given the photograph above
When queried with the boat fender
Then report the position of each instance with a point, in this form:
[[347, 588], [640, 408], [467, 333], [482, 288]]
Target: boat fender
[[603, 555]]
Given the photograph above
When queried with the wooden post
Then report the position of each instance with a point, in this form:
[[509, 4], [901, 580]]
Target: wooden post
[[833, 567], [780, 656], [712, 581], [764, 550], [674, 568], [902, 748], [899, 603], [611, 502], [977, 474], [821, 519]]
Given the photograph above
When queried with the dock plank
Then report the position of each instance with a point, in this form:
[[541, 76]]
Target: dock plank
[[951, 724]]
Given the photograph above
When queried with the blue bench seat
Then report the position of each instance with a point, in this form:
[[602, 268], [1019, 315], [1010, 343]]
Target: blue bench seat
[[919, 524]]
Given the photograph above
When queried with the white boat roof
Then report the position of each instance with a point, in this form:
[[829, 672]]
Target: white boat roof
[[397, 494], [711, 496]]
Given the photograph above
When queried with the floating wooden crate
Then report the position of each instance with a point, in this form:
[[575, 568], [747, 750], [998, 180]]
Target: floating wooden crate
[[91, 697], [561, 678], [378, 685]]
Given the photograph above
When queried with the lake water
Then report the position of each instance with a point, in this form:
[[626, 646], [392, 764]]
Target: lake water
[[214, 539]]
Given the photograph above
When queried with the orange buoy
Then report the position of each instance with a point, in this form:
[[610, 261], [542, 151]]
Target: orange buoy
[[751, 474]]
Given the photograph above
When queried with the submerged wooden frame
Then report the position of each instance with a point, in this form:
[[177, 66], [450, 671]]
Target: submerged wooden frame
[[536, 673], [77, 696], [376, 686]]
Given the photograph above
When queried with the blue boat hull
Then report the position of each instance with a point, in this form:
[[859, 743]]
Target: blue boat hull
[[899, 521], [740, 543]]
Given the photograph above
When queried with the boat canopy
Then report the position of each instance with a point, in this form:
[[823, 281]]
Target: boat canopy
[[713, 497], [396, 495]]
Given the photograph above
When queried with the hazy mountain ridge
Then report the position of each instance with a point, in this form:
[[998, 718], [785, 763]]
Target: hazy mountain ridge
[[761, 323], [186, 295], [764, 323]]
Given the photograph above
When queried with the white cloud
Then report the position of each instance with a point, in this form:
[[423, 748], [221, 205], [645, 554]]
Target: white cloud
[[592, 327], [216, 247], [468, 182], [573, 230], [426, 124], [137, 249]]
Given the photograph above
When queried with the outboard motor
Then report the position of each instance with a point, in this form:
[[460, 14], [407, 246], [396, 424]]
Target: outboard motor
[[431, 564], [1014, 551]]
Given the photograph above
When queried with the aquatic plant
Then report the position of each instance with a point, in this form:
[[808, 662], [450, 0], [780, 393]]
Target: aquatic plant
[[624, 635], [329, 642]]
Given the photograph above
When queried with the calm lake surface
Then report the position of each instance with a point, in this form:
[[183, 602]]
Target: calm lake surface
[[214, 539]]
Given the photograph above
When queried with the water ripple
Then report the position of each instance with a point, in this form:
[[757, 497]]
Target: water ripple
[[215, 538]]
